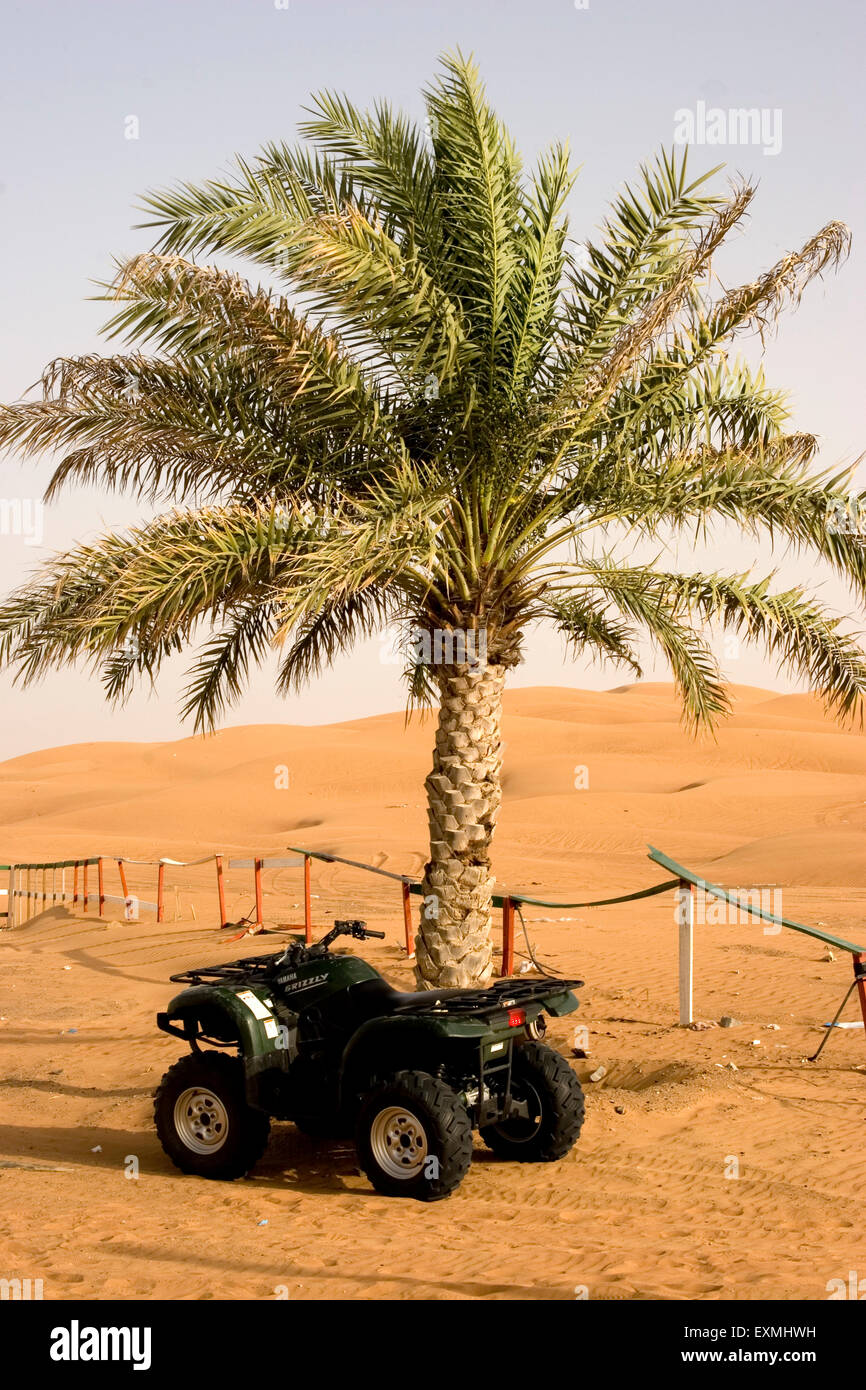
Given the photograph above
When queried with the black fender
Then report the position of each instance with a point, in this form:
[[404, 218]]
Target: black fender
[[266, 1038], [382, 1046], [561, 1003], [202, 1011]]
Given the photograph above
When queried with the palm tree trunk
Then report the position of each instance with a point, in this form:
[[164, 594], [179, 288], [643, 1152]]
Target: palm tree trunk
[[463, 797]]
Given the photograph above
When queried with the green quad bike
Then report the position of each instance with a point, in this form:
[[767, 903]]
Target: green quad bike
[[325, 1041]]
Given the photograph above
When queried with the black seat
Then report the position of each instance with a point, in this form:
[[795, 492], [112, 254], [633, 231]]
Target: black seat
[[378, 999]]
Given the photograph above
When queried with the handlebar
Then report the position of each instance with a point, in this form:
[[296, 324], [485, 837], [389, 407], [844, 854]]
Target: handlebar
[[297, 950], [359, 930]]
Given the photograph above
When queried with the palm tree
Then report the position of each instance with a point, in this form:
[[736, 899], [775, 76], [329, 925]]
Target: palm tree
[[459, 425]]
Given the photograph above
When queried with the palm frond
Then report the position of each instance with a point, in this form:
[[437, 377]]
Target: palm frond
[[719, 404], [206, 314], [160, 429], [589, 627], [534, 295], [592, 382], [389, 159], [642, 242], [759, 303], [248, 213], [644, 599], [806, 640], [478, 189], [332, 630], [353, 270], [222, 670]]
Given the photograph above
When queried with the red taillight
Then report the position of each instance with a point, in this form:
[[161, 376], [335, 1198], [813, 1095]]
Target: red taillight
[[516, 1017]]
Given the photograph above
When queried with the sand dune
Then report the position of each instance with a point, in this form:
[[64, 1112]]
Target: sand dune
[[643, 1207]]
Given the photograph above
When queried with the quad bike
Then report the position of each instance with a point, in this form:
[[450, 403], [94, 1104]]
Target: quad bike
[[323, 1040]]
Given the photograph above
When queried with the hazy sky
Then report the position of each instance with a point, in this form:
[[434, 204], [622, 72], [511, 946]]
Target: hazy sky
[[206, 79]]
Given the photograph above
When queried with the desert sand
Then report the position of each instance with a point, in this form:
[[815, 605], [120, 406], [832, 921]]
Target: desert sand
[[649, 1204]]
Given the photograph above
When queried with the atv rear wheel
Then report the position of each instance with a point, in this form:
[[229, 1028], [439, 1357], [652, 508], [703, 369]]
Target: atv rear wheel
[[545, 1081], [203, 1120], [414, 1137]]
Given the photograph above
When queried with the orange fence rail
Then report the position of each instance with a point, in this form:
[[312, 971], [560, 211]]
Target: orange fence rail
[[26, 897], [30, 891]]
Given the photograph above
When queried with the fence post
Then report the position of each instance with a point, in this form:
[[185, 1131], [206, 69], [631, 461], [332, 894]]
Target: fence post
[[84, 885], [160, 893], [507, 967], [257, 869], [10, 898], [407, 920], [221, 888], [101, 880], [860, 975], [44, 887], [686, 919], [127, 901], [308, 902], [75, 883]]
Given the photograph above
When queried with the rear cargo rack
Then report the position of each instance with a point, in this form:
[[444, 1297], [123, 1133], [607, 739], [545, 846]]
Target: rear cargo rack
[[504, 994]]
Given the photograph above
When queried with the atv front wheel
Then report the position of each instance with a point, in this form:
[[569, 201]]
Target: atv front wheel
[[203, 1120], [414, 1137], [552, 1093]]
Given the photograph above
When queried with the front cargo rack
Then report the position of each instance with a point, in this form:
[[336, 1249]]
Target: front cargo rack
[[233, 970]]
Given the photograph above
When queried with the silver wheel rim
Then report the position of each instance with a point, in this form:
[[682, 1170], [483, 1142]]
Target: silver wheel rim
[[399, 1142], [201, 1120]]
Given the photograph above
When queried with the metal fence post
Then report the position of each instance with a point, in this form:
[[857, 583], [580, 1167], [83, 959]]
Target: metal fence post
[[160, 893], [221, 888], [686, 919], [308, 902], [507, 936], [257, 869], [407, 920]]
